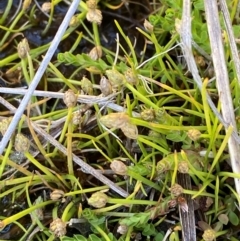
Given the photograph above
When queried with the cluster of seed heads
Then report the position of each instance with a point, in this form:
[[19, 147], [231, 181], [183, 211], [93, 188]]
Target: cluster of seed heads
[[58, 227], [118, 167], [69, 98], [94, 15], [23, 49], [22, 143], [4, 125]]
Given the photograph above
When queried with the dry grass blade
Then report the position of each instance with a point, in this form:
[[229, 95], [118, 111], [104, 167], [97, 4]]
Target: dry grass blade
[[187, 218], [222, 79]]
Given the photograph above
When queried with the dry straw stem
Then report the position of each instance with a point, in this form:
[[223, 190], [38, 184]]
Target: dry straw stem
[[76, 159], [87, 99], [105, 101], [186, 40], [222, 79], [233, 46]]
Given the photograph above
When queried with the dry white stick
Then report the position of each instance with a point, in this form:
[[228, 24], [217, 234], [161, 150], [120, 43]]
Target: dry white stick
[[231, 38], [222, 79], [87, 99], [186, 40]]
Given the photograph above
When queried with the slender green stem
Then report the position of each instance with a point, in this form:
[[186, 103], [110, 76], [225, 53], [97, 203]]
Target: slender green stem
[[5, 158], [96, 34], [15, 21], [143, 180], [50, 19], [101, 232], [6, 11], [131, 202], [41, 167]]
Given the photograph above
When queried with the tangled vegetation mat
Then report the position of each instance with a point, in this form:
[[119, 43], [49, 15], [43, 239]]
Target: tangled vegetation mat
[[132, 130]]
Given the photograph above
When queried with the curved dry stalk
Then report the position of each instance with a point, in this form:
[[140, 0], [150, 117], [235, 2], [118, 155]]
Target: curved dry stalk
[[186, 45], [86, 99], [223, 85], [233, 46]]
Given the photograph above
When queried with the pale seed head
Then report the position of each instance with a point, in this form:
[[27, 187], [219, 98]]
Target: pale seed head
[[200, 61], [38, 212], [77, 118], [119, 167], [4, 125], [26, 4], [131, 78], [130, 130], [209, 235], [46, 7], [96, 53], [194, 134], [105, 86], [58, 227], [98, 200], [148, 114], [116, 78], [69, 98], [22, 143], [163, 165], [148, 26], [176, 190], [87, 86], [122, 229], [57, 194], [23, 49], [94, 16], [183, 167], [172, 203], [209, 202], [74, 22], [115, 120], [154, 134], [91, 4], [160, 115]]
